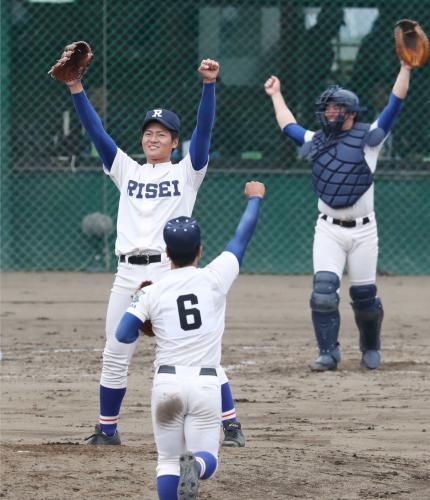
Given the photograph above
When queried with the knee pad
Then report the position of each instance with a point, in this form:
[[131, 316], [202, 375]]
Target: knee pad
[[363, 296], [324, 298]]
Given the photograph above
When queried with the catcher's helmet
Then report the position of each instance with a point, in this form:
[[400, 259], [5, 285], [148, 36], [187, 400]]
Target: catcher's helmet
[[182, 234], [341, 97]]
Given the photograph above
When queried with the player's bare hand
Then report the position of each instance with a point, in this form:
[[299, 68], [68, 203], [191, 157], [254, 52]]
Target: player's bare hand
[[405, 65], [255, 188], [209, 70], [272, 85], [74, 86]]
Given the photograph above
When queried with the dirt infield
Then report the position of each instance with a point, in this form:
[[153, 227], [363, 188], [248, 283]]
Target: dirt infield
[[349, 434]]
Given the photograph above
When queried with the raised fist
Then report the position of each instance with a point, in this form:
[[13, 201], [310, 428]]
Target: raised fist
[[272, 85], [255, 188], [209, 70]]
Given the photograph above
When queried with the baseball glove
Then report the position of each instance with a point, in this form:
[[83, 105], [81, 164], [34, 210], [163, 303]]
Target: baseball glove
[[146, 328], [73, 62], [412, 45]]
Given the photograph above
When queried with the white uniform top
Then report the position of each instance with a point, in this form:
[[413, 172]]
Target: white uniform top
[[365, 204], [150, 195], [187, 311]]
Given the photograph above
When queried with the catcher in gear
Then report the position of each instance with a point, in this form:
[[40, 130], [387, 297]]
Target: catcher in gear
[[343, 154], [150, 195]]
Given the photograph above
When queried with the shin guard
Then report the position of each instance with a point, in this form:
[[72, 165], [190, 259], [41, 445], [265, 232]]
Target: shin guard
[[369, 314], [325, 313]]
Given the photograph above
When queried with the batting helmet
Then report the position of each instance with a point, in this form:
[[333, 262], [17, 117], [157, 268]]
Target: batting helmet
[[342, 97]]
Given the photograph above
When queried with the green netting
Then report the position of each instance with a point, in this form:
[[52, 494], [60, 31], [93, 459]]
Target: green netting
[[146, 56]]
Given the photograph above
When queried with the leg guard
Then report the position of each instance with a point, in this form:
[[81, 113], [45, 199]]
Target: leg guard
[[368, 316], [325, 312]]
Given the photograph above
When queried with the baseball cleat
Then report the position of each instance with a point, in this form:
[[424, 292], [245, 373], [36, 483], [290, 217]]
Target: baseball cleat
[[324, 363], [371, 359], [99, 437], [233, 435], [189, 479]]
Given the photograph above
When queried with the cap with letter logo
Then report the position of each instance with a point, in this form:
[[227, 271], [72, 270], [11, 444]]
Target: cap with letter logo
[[167, 118], [182, 234]]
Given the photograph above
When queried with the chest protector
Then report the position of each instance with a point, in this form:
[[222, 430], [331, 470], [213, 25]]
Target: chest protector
[[340, 173]]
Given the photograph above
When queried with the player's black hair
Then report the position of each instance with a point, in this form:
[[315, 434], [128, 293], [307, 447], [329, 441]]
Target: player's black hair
[[183, 259], [175, 135]]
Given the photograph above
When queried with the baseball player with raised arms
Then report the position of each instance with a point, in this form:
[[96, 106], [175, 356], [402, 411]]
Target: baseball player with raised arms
[[187, 311], [150, 195], [344, 154]]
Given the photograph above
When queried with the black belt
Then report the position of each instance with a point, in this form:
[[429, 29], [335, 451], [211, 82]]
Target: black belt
[[346, 223], [140, 259], [172, 370]]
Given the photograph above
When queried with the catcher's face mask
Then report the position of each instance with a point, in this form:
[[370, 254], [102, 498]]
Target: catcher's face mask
[[332, 107]]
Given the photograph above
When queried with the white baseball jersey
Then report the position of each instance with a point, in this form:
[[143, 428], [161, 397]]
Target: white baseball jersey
[[187, 311], [150, 195], [365, 205]]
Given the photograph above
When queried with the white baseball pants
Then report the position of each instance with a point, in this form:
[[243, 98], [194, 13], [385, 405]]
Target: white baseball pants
[[355, 248], [186, 415]]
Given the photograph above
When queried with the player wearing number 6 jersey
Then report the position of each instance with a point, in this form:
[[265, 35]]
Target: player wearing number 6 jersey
[[187, 311]]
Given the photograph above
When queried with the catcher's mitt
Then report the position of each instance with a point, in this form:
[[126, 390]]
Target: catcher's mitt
[[146, 328], [73, 62], [412, 45]]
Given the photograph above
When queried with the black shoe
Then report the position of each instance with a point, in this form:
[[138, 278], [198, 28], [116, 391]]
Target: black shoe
[[99, 437], [189, 479], [233, 435]]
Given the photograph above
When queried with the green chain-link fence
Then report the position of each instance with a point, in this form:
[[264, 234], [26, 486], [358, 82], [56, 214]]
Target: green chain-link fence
[[146, 56]]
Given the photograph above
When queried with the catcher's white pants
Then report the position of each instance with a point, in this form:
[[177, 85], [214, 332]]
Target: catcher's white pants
[[354, 247], [116, 355], [194, 420]]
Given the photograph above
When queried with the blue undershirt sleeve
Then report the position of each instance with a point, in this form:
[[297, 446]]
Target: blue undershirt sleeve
[[128, 328], [390, 112], [295, 132], [237, 245], [201, 138], [103, 142]]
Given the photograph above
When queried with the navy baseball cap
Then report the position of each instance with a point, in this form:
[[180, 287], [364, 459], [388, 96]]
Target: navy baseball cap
[[182, 234], [167, 118]]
